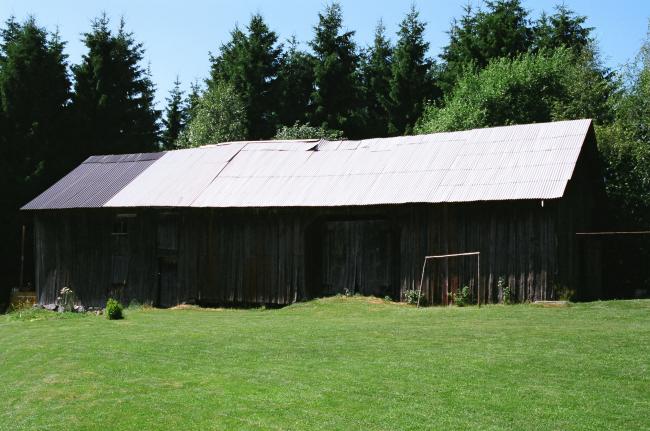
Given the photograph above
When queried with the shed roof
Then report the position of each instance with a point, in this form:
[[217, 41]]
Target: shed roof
[[533, 161]]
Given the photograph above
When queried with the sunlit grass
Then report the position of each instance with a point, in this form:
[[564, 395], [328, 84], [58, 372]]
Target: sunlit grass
[[338, 363]]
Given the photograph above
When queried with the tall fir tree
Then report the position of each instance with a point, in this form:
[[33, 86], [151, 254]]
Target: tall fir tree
[[411, 84], [336, 94], [175, 118], [34, 121], [113, 98], [563, 28], [192, 100], [502, 30], [249, 62], [377, 73], [294, 86]]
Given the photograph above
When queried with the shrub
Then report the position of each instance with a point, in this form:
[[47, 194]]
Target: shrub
[[462, 297], [114, 309], [306, 131], [413, 296]]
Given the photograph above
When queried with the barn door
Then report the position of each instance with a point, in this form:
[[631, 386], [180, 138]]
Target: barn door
[[167, 251], [357, 257]]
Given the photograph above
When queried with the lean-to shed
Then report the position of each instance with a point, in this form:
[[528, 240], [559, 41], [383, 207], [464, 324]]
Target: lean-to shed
[[275, 222]]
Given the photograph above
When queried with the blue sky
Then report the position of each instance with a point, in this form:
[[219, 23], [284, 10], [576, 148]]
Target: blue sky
[[178, 35]]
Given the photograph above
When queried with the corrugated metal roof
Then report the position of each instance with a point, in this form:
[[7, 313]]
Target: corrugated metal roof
[[533, 161], [94, 182]]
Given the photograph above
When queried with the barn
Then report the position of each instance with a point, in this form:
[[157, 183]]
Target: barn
[[275, 222]]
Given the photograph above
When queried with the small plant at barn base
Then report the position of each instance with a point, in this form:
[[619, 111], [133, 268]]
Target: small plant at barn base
[[461, 298], [413, 296], [66, 299], [114, 310], [506, 293]]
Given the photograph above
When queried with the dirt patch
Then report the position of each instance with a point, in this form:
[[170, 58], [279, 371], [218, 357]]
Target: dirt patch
[[551, 304]]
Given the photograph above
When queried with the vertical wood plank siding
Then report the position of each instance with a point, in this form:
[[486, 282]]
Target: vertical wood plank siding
[[279, 256]]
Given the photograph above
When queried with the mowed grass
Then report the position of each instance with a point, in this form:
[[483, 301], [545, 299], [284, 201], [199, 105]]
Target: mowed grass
[[337, 363]]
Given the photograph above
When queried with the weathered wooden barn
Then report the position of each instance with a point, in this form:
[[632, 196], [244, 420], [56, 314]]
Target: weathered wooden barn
[[282, 221]]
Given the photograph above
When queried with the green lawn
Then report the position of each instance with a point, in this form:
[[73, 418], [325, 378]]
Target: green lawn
[[339, 363]]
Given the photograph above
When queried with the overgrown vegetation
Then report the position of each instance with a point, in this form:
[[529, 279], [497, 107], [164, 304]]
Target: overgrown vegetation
[[67, 299], [462, 297], [305, 131], [506, 293], [413, 297], [380, 365]]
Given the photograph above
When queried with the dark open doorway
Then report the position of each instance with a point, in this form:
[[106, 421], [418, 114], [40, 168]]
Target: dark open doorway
[[357, 256]]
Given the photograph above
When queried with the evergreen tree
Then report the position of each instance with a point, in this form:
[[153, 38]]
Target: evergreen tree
[[175, 116], [294, 85], [563, 28], [411, 84], [336, 82], [502, 30], [34, 97], [113, 98], [249, 62], [377, 74], [192, 101]]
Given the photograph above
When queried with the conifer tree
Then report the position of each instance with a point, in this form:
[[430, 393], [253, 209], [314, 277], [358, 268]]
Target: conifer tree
[[563, 28], [34, 98], [294, 86], [113, 99], [411, 84], [192, 100], [249, 62], [377, 73], [175, 116], [336, 81], [502, 30]]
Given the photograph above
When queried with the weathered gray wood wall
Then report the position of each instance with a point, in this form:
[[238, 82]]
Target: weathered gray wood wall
[[279, 256]]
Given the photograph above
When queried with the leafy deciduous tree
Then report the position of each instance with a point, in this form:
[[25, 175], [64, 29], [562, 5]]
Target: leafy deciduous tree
[[305, 131], [530, 88], [220, 116]]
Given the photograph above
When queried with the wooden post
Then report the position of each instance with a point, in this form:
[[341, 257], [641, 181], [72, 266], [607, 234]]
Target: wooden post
[[478, 281], [22, 258]]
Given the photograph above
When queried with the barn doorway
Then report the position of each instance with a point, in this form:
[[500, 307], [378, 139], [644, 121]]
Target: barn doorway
[[167, 239], [358, 257]]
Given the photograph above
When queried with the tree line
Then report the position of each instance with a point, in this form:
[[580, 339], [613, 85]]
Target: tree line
[[499, 66]]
